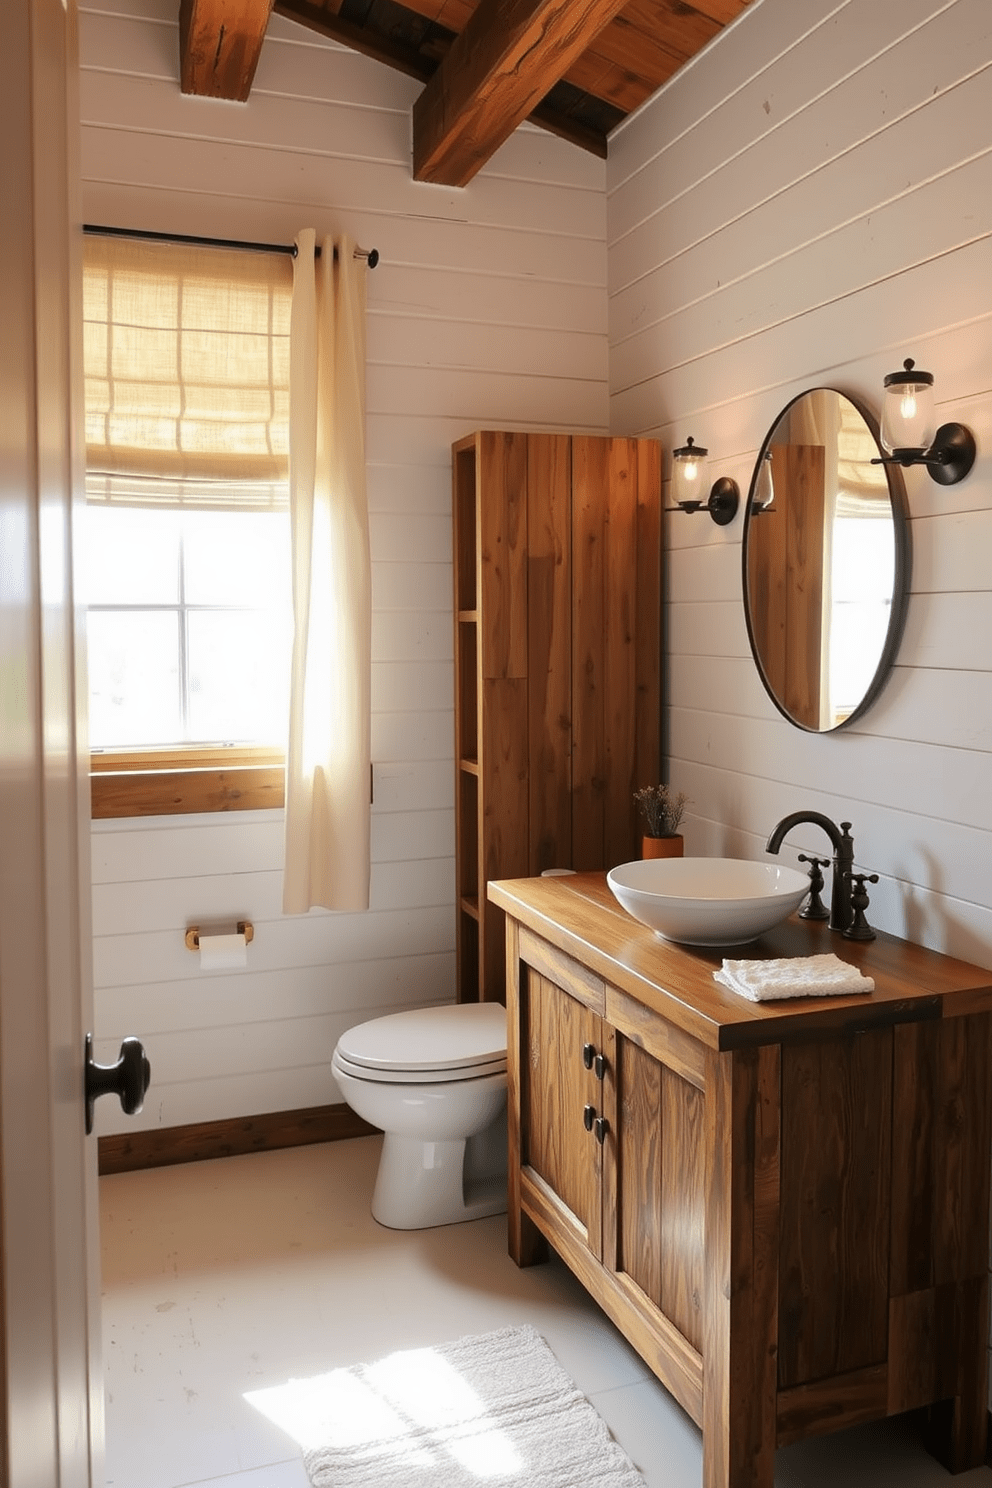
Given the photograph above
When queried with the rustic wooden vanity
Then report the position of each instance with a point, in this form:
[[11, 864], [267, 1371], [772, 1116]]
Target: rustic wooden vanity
[[783, 1206]]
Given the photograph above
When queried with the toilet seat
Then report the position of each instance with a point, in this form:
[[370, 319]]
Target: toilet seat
[[418, 1076], [461, 1041]]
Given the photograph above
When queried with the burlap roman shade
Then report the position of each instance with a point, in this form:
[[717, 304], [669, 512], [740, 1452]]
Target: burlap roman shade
[[186, 358]]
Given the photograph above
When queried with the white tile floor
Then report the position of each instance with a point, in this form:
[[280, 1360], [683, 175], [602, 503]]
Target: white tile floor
[[222, 1278]]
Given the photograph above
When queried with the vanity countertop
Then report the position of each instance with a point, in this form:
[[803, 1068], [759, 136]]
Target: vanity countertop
[[579, 916]]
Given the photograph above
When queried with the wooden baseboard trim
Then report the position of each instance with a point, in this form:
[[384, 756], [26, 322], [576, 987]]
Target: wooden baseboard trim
[[129, 1151]]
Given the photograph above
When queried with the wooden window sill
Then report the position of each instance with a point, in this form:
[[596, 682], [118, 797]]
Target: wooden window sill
[[196, 780]]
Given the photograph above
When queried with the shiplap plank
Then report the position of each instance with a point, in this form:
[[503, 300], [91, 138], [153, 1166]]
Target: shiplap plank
[[913, 304], [860, 111], [162, 904], [269, 206], [783, 97], [413, 736], [125, 849], [882, 242], [732, 60], [400, 636], [409, 490], [410, 586], [157, 956], [401, 686], [409, 785], [952, 709], [412, 341], [405, 537], [315, 138], [951, 552], [873, 768], [925, 852], [487, 396], [304, 991], [187, 1102], [703, 627], [474, 299]]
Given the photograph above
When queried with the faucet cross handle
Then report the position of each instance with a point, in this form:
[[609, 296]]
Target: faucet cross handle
[[814, 908], [859, 928]]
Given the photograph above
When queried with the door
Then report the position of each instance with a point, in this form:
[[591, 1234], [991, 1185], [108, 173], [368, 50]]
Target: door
[[51, 1394], [561, 1102]]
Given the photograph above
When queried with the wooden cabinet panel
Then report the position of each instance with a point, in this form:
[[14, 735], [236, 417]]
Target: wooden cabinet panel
[[660, 1186], [560, 1146], [942, 1108], [549, 655], [502, 528], [836, 1177], [557, 579]]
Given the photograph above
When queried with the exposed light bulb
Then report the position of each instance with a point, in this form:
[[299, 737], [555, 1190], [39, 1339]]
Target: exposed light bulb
[[907, 405]]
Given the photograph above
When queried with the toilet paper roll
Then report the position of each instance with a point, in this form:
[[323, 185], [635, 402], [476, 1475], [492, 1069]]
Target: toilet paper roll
[[223, 952]]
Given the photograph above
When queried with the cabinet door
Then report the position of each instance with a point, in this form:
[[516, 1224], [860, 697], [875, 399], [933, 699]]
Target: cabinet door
[[561, 1102], [654, 1199]]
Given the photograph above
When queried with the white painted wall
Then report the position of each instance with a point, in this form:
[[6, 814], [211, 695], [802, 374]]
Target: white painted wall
[[807, 204], [488, 309]]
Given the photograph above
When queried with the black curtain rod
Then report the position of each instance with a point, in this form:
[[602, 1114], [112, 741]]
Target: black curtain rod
[[371, 255]]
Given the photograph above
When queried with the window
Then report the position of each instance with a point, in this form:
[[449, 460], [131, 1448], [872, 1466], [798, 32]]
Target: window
[[186, 568]]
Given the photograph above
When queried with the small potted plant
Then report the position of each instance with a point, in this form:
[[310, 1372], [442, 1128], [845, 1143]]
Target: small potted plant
[[662, 809]]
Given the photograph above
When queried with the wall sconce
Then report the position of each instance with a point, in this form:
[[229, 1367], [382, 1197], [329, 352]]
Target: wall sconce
[[907, 432], [764, 487], [689, 483]]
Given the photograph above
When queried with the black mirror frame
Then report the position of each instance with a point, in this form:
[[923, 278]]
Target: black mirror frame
[[901, 576]]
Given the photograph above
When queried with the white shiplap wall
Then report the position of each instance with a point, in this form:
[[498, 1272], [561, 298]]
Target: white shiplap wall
[[488, 309], [807, 204]]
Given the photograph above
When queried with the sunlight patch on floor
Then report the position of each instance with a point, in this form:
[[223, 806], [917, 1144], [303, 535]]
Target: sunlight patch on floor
[[414, 1395]]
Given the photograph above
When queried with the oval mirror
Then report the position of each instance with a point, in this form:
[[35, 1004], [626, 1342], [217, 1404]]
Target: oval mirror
[[825, 561]]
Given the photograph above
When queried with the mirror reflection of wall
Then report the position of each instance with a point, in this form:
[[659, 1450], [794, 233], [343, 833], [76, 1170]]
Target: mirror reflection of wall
[[822, 563]]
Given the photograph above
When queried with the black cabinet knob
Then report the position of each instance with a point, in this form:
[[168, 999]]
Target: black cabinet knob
[[599, 1066], [602, 1126], [588, 1055], [588, 1117], [129, 1078]]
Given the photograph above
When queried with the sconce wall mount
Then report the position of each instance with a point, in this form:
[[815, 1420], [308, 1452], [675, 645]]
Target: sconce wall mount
[[907, 430], [689, 482]]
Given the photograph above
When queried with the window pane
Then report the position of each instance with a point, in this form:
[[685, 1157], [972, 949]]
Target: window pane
[[134, 678], [237, 558], [130, 556], [238, 677]]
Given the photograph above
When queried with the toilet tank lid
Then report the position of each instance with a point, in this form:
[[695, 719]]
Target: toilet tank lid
[[455, 1036]]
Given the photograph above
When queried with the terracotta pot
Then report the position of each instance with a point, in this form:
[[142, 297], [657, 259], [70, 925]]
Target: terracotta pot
[[662, 847]]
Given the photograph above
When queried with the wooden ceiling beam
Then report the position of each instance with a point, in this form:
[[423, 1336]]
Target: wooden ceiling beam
[[219, 46], [510, 54]]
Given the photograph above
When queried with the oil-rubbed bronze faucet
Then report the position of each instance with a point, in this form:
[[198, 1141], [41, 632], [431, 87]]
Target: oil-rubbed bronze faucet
[[841, 911]]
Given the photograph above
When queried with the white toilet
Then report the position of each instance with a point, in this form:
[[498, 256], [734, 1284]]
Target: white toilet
[[434, 1080]]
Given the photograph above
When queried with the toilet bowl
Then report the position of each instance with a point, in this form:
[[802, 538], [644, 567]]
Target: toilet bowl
[[434, 1081]]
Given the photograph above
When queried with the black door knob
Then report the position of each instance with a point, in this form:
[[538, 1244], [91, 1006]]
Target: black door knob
[[129, 1078]]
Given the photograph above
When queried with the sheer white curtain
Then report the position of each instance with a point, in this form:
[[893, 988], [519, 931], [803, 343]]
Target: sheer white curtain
[[328, 753]]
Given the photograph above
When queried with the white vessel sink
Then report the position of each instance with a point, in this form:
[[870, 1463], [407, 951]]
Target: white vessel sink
[[708, 901]]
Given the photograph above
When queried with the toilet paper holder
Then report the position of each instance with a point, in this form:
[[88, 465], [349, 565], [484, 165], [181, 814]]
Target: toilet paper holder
[[245, 928]]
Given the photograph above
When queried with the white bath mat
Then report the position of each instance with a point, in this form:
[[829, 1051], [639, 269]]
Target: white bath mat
[[497, 1409]]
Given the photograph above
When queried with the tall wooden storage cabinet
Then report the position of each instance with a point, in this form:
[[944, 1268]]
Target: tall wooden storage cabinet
[[557, 571]]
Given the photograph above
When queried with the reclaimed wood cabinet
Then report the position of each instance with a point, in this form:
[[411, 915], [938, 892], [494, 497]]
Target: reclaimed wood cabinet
[[557, 650], [783, 1206]]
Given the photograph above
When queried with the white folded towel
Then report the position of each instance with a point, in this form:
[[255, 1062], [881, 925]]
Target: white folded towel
[[793, 976]]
